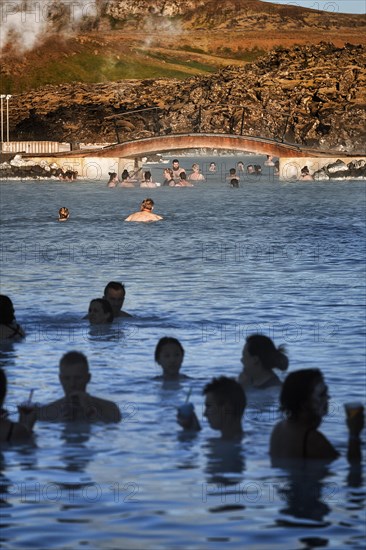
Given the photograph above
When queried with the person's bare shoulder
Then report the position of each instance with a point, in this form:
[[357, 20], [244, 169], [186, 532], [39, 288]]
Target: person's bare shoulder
[[105, 410], [124, 314], [131, 217], [318, 447]]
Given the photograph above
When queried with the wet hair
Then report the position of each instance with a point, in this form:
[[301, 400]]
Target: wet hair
[[227, 391], [114, 286], [74, 357], [125, 174], [3, 386], [165, 341], [297, 389], [147, 204], [271, 357], [6, 310], [183, 176], [232, 171], [106, 306], [174, 161], [63, 212], [234, 182], [112, 175], [147, 175], [305, 170]]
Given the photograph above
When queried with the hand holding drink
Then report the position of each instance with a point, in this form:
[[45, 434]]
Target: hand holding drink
[[27, 412], [186, 416], [355, 417]]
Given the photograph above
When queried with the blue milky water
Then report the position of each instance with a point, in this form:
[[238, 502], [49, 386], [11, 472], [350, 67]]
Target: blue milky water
[[286, 259]]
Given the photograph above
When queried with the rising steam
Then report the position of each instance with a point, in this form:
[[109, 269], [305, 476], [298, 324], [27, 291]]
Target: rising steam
[[27, 22]]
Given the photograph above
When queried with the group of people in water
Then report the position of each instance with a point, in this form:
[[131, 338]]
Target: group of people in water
[[176, 176], [303, 396], [173, 177]]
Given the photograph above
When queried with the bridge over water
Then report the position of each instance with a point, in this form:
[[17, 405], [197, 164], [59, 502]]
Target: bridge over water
[[164, 144]]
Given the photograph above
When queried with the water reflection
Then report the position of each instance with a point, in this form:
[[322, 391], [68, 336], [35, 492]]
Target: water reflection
[[74, 453], [309, 492]]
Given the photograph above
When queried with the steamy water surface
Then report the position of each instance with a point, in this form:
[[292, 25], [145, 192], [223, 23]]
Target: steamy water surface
[[283, 259]]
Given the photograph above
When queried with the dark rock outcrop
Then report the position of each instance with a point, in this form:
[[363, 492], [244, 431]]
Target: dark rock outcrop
[[309, 95], [356, 169]]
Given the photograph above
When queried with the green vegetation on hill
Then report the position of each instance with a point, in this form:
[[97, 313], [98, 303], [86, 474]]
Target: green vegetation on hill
[[89, 68]]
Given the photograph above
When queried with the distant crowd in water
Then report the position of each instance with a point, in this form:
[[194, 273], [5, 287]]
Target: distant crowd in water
[[176, 176]]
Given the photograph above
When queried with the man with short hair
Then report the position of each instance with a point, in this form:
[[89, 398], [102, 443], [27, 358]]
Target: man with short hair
[[225, 403], [77, 404], [115, 294], [177, 170]]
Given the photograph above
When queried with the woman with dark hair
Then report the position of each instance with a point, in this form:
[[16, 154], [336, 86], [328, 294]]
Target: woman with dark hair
[[9, 328], [100, 312], [14, 432], [304, 400], [169, 354], [260, 357], [126, 181]]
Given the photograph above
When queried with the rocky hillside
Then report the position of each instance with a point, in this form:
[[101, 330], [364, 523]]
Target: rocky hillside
[[124, 39], [227, 14], [311, 95]]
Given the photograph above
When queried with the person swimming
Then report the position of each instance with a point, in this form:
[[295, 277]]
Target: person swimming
[[15, 432], [100, 312], [63, 214], [145, 214], [113, 179], [260, 356], [304, 401], [10, 330], [169, 354], [77, 405], [225, 403]]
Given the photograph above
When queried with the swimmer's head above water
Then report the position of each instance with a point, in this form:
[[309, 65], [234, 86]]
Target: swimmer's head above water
[[63, 214]]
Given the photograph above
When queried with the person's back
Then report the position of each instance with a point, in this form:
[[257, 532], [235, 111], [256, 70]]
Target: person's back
[[126, 181], [145, 214], [147, 181]]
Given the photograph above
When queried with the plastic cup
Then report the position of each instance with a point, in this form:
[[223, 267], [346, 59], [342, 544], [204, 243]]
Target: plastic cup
[[353, 409], [186, 410]]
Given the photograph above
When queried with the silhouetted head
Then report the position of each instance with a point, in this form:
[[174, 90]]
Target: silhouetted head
[[100, 311], [74, 372], [304, 392], [7, 315], [115, 293], [225, 401], [262, 348], [169, 354]]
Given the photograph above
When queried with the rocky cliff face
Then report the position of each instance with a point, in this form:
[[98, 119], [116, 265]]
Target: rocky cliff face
[[232, 14], [311, 95]]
